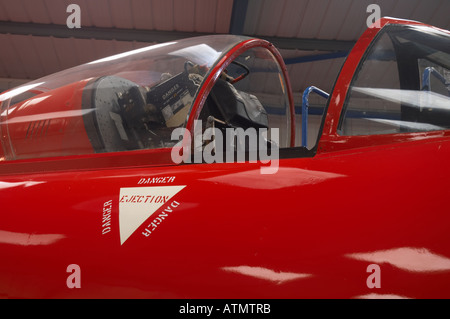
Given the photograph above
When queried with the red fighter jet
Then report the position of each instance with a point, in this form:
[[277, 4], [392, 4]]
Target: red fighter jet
[[172, 171]]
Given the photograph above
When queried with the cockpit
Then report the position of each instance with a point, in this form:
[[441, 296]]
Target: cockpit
[[134, 100]]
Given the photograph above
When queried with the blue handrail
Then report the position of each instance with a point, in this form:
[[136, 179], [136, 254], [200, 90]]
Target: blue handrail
[[305, 106], [426, 80]]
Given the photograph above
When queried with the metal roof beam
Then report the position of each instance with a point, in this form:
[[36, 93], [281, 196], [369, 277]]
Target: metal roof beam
[[62, 31], [316, 57], [310, 44], [150, 36]]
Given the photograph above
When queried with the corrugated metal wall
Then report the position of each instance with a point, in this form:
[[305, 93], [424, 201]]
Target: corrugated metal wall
[[29, 56]]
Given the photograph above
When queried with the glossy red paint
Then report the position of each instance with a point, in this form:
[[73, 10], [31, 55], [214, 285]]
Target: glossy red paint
[[309, 231]]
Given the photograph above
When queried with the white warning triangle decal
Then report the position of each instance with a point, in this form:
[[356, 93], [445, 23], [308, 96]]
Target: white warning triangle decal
[[136, 204]]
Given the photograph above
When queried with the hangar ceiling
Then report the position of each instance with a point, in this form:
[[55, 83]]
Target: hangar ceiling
[[313, 35]]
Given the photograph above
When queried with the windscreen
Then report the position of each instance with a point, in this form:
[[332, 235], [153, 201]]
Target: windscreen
[[402, 85]]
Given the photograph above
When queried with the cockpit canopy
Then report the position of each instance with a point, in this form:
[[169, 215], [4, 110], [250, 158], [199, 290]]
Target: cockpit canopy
[[135, 100], [128, 101]]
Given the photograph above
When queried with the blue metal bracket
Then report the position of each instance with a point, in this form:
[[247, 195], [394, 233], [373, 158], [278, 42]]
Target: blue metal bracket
[[426, 80], [305, 106]]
